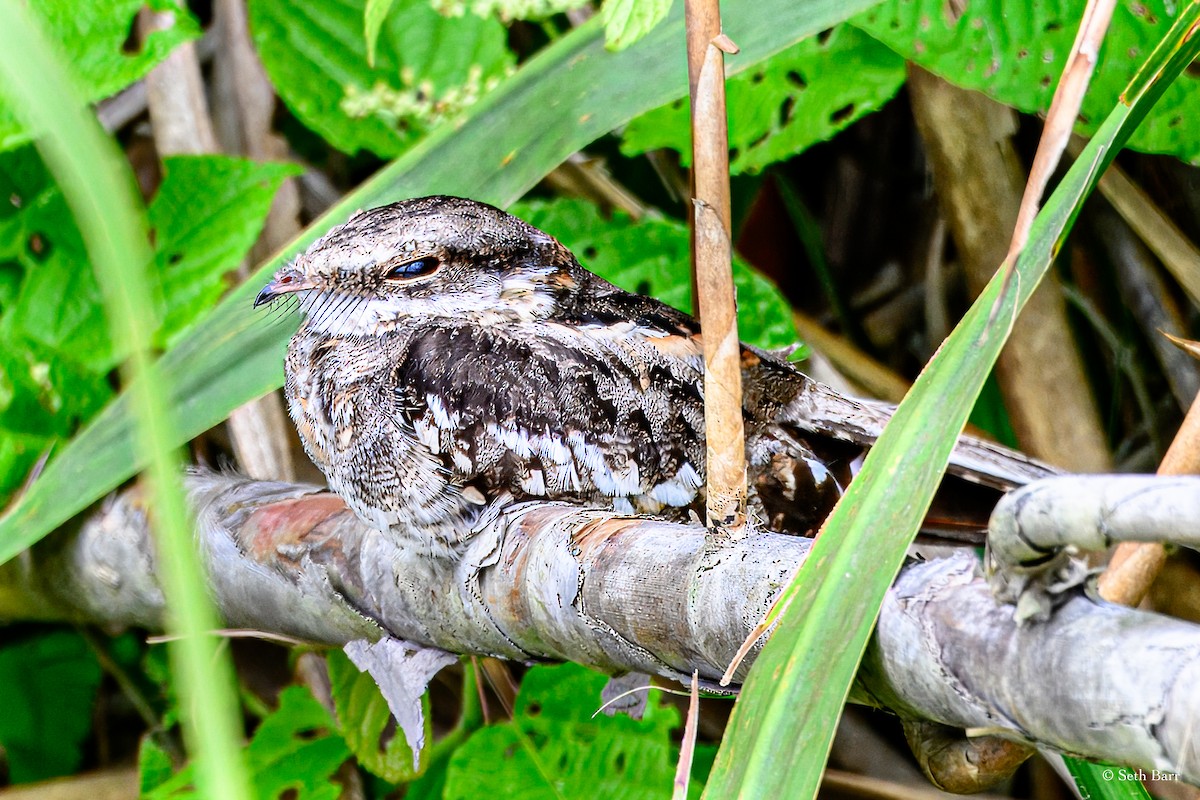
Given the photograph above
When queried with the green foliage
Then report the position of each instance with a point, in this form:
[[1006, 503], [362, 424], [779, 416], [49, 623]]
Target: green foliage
[[375, 12], [554, 748], [1017, 56], [293, 753], [198, 244], [154, 766], [651, 257], [363, 719], [93, 35], [626, 21], [50, 684], [426, 68], [55, 348], [797, 98]]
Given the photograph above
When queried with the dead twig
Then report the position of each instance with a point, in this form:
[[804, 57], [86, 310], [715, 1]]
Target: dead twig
[[712, 259]]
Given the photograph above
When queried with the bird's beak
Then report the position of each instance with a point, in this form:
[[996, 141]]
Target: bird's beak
[[287, 280]]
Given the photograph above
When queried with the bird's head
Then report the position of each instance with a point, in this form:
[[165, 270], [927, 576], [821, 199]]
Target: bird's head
[[427, 257]]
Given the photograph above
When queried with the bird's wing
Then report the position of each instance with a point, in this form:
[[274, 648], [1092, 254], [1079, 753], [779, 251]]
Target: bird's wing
[[552, 415], [822, 410]]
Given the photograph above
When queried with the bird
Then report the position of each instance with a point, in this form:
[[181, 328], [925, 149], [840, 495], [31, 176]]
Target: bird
[[453, 356]]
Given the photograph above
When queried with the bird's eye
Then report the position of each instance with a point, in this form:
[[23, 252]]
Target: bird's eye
[[412, 269]]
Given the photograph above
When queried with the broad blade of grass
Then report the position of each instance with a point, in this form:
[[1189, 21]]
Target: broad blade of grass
[[572, 93], [782, 726], [99, 188]]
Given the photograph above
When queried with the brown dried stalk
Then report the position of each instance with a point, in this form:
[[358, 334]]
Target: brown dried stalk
[[712, 259]]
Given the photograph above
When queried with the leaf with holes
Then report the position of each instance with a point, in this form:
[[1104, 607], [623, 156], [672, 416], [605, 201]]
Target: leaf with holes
[[1017, 54], [554, 747], [801, 96], [54, 346], [205, 217], [652, 257], [427, 68], [366, 723], [94, 34]]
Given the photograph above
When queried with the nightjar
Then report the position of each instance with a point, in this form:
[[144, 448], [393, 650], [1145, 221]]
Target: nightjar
[[452, 354]]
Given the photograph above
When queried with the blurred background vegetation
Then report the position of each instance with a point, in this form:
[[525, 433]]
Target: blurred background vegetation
[[871, 198]]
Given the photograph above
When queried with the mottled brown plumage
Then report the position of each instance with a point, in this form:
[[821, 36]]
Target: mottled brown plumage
[[452, 355]]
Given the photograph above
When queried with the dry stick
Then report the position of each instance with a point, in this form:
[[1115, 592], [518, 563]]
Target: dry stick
[[1134, 566], [1060, 119], [687, 748], [712, 258]]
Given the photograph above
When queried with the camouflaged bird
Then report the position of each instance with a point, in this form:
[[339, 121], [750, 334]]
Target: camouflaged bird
[[452, 355]]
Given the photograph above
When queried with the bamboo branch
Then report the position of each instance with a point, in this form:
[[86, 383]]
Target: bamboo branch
[[712, 257]]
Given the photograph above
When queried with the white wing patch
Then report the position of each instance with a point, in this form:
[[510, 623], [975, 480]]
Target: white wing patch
[[681, 489], [549, 463]]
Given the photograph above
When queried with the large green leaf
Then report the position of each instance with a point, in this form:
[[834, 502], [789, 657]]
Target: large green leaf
[[781, 730], [558, 102], [427, 68], [555, 748], [93, 35], [801, 96], [197, 244], [652, 257], [1016, 54]]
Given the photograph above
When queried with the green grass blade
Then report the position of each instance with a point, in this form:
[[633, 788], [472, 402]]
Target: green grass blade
[[783, 724], [1106, 781], [572, 93], [100, 190]]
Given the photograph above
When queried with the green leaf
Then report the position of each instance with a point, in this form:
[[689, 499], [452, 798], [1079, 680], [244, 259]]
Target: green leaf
[[292, 754], [801, 96], [1106, 781], [626, 21], [427, 68], [295, 749], [50, 684], [198, 243], [563, 98], [59, 304], [18, 454], [373, 16], [652, 257], [1016, 54], [554, 748], [781, 730], [363, 718], [154, 765], [93, 36]]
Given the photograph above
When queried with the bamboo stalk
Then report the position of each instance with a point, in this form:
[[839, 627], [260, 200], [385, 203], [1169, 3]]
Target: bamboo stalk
[[712, 254]]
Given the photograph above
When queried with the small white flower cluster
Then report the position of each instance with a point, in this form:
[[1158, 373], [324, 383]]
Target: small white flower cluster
[[416, 103]]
